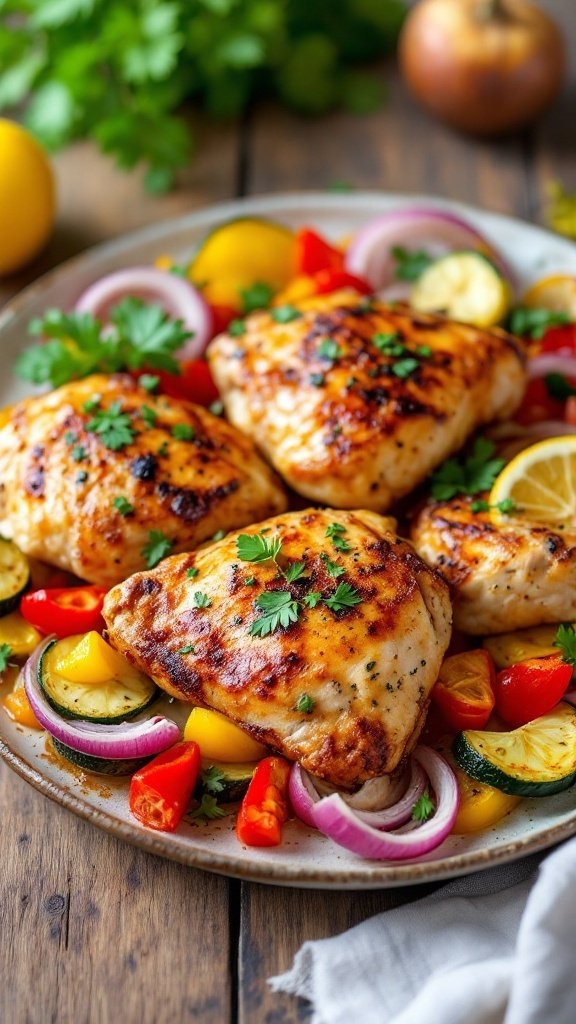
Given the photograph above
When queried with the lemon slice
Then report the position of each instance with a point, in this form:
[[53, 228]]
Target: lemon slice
[[541, 481], [557, 292], [464, 286]]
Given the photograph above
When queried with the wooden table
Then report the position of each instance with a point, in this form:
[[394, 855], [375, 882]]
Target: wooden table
[[92, 930]]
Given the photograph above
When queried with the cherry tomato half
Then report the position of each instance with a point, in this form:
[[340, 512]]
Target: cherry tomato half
[[64, 610], [530, 688], [464, 690]]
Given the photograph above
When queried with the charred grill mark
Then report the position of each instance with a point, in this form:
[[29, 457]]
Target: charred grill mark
[[142, 586], [144, 467], [189, 505], [34, 475]]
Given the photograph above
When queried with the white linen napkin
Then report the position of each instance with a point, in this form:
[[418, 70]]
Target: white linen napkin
[[497, 947]]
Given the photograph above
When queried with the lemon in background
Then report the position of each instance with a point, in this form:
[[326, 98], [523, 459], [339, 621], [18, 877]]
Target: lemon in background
[[27, 199]]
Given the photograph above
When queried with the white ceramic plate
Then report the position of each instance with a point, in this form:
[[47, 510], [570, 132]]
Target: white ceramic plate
[[305, 857]]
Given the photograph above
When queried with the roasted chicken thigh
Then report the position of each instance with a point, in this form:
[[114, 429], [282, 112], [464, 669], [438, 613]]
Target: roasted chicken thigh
[[503, 575], [88, 471], [338, 678], [355, 402]]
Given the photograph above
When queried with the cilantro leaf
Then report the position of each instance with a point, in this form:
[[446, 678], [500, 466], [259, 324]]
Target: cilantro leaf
[[213, 779], [113, 426], [208, 810], [345, 596], [476, 473], [257, 296], [305, 704], [5, 655], [279, 610], [123, 506], [294, 572], [423, 808], [330, 349], [157, 548], [565, 640], [332, 568], [285, 314], [410, 264], [404, 367], [183, 432], [533, 323], [254, 547], [201, 600]]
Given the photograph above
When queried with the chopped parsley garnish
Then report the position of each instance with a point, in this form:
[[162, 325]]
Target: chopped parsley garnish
[[424, 351], [216, 408], [257, 296], [345, 596], [335, 531], [312, 599], [81, 477], [332, 568], [279, 610], [559, 387], [404, 367], [5, 655], [410, 264], [201, 600], [123, 506], [163, 449], [236, 328], [507, 506], [77, 344], [149, 415], [149, 382], [207, 810], [330, 349], [186, 649], [158, 546], [79, 453], [565, 640], [476, 473], [91, 404], [213, 779], [285, 314], [113, 426], [183, 432], [294, 572], [423, 808], [305, 704], [70, 437], [249, 581], [389, 344], [254, 547], [533, 323], [192, 572], [317, 379]]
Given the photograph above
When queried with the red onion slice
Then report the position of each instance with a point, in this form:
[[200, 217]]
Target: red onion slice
[[552, 362], [120, 742], [338, 821], [434, 230], [177, 296]]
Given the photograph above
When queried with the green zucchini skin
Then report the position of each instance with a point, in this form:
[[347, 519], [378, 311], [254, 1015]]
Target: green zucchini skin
[[479, 767], [234, 779], [14, 576], [98, 765], [48, 682]]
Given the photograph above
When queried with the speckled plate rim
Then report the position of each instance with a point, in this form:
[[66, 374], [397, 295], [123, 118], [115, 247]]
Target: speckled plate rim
[[367, 875]]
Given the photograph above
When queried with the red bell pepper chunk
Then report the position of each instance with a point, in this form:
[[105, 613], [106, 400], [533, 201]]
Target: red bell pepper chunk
[[64, 610], [538, 404], [221, 317], [331, 280], [529, 689], [264, 808], [161, 791], [464, 690], [314, 253], [194, 384], [560, 339]]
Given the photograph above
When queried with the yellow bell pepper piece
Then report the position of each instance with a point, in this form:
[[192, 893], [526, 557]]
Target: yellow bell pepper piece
[[480, 805], [92, 660], [240, 254], [18, 707], [509, 648], [220, 739], [18, 634], [5, 415], [299, 288]]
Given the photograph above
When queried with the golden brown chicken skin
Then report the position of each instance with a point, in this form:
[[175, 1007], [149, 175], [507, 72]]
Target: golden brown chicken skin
[[70, 498], [343, 690], [355, 402], [504, 575]]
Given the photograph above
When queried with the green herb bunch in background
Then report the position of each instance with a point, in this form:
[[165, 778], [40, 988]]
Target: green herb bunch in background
[[119, 71]]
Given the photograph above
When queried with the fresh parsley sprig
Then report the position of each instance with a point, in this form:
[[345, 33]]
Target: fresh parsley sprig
[[410, 263], [139, 334], [533, 323], [565, 640], [207, 810], [5, 655], [157, 547], [113, 426], [423, 808], [279, 608], [345, 596], [213, 780], [477, 472]]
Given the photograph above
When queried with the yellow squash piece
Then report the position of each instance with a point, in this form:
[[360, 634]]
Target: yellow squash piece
[[480, 805], [18, 634], [541, 481], [464, 286], [92, 661], [240, 254], [509, 648], [220, 739]]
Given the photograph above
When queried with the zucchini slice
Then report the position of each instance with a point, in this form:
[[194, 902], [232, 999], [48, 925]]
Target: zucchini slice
[[537, 759], [227, 782], [14, 575], [112, 701], [98, 765]]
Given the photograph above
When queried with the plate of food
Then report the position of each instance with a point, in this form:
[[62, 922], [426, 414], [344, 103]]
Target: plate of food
[[287, 516]]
